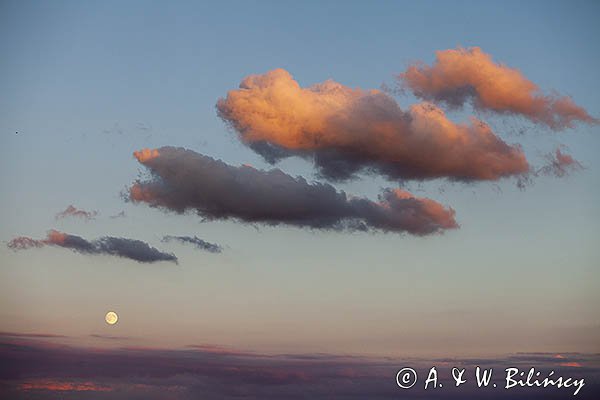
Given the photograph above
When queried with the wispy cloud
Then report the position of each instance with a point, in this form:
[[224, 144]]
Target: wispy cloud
[[559, 164], [119, 215], [196, 241], [72, 211], [127, 248], [184, 180]]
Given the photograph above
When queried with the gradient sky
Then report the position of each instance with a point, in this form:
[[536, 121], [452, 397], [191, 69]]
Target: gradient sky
[[86, 84]]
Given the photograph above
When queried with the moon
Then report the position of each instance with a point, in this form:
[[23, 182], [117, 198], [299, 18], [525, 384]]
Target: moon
[[111, 318]]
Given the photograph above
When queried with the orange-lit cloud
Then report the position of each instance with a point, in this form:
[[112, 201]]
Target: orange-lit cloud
[[56, 237], [62, 386], [72, 211], [127, 248], [462, 75], [183, 180], [145, 155], [571, 364], [52, 238], [347, 130]]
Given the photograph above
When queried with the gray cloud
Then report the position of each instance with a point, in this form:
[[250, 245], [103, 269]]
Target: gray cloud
[[121, 247], [196, 241], [183, 180]]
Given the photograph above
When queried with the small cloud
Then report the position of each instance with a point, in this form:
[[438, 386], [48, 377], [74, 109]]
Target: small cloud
[[215, 349], [110, 337], [195, 240], [72, 211], [559, 164], [571, 364], [119, 215]]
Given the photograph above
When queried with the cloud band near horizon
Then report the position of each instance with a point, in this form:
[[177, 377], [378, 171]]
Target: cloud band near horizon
[[49, 370]]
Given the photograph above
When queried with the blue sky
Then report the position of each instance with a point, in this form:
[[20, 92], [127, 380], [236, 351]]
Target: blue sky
[[85, 85]]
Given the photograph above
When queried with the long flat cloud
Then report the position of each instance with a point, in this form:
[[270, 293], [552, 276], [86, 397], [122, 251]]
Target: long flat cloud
[[462, 75], [127, 248], [347, 130], [184, 180], [35, 369], [196, 241]]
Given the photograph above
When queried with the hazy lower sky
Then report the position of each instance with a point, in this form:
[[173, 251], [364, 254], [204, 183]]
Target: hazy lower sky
[[84, 85]]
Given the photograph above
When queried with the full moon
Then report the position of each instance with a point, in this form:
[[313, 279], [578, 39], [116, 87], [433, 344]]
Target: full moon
[[111, 318]]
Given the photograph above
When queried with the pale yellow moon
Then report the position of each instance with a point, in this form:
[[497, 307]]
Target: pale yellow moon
[[111, 318]]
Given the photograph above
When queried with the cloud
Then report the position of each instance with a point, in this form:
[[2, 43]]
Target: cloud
[[49, 385], [461, 75], [127, 373], [127, 248], [346, 131], [24, 243], [30, 335], [559, 164], [185, 180], [109, 337], [119, 215], [72, 211], [195, 240], [571, 364]]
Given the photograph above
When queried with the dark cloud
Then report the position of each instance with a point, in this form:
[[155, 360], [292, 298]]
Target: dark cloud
[[127, 248], [34, 370], [185, 180], [346, 131], [72, 211], [196, 241], [462, 75]]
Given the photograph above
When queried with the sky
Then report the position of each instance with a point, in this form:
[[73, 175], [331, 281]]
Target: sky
[[501, 257]]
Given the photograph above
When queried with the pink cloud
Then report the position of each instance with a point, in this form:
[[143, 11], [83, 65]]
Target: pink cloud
[[463, 74]]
